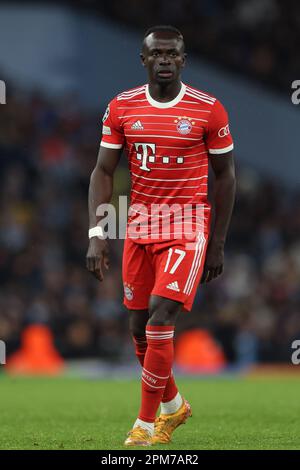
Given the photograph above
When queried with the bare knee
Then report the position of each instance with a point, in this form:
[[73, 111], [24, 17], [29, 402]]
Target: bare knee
[[137, 322], [163, 312]]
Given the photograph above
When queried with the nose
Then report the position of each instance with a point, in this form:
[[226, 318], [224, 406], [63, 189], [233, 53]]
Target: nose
[[165, 59]]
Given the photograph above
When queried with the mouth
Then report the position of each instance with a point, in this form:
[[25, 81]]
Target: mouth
[[165, 74]]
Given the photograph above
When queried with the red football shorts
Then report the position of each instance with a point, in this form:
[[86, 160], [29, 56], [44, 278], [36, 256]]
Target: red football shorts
[[170, 269]]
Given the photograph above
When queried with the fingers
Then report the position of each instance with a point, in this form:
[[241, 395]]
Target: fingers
[[220, 270], [98, 268], [204, 275], [97, 257], [90, 264], [94, 265], [211, 273]]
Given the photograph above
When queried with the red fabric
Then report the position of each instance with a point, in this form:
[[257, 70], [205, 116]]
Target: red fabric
[[157, 369], [168, 147], [170, 269], [171, 389]]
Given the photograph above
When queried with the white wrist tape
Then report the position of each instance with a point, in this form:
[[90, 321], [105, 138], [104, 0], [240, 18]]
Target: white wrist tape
[[96, 232]]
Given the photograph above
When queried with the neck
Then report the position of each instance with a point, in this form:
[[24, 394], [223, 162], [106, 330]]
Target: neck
[[164, 92]]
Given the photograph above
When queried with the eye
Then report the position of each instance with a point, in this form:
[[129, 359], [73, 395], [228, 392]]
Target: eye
[[173, 54], [155, 53]]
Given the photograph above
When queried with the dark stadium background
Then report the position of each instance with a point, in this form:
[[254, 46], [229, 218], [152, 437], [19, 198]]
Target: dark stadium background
[[62, 62]]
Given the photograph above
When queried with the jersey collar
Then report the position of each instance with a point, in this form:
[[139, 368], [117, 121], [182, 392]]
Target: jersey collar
[[167, 104]]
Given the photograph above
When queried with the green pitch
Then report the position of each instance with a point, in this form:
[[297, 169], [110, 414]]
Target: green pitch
[[84, 414]]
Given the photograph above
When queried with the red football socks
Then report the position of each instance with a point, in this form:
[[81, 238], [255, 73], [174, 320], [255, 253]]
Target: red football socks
[[156, 369], [171, 389]]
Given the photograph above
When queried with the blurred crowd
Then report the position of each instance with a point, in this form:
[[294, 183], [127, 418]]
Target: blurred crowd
[[258, 38], [48, 151]]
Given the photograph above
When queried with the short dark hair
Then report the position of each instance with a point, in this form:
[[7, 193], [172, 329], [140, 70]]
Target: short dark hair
[[164, 28]]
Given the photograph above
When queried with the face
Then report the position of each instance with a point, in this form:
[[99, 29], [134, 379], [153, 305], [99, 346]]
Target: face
[[163, 56]]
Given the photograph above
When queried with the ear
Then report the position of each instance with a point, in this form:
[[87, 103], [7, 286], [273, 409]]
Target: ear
[[143, 59], [184, 60]]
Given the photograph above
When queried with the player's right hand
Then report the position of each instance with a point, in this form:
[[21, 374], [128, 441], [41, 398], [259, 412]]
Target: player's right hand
[[97, 256]]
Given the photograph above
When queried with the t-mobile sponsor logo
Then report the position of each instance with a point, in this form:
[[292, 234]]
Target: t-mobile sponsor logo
[[146, 154]]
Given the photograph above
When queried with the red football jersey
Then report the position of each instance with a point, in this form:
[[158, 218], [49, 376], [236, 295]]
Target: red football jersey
[[168, 146]]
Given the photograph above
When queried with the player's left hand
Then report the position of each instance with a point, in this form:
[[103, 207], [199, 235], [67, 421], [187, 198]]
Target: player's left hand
[[214, 261]]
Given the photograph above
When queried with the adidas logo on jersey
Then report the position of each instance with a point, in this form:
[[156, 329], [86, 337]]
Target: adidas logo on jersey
[[173, 286], [138, 126]]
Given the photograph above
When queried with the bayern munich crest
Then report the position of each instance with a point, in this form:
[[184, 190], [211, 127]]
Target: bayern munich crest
[[184, 124], [128, 291]]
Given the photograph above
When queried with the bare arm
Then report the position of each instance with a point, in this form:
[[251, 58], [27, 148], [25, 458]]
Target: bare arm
[[100, 192], [224, 195]]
